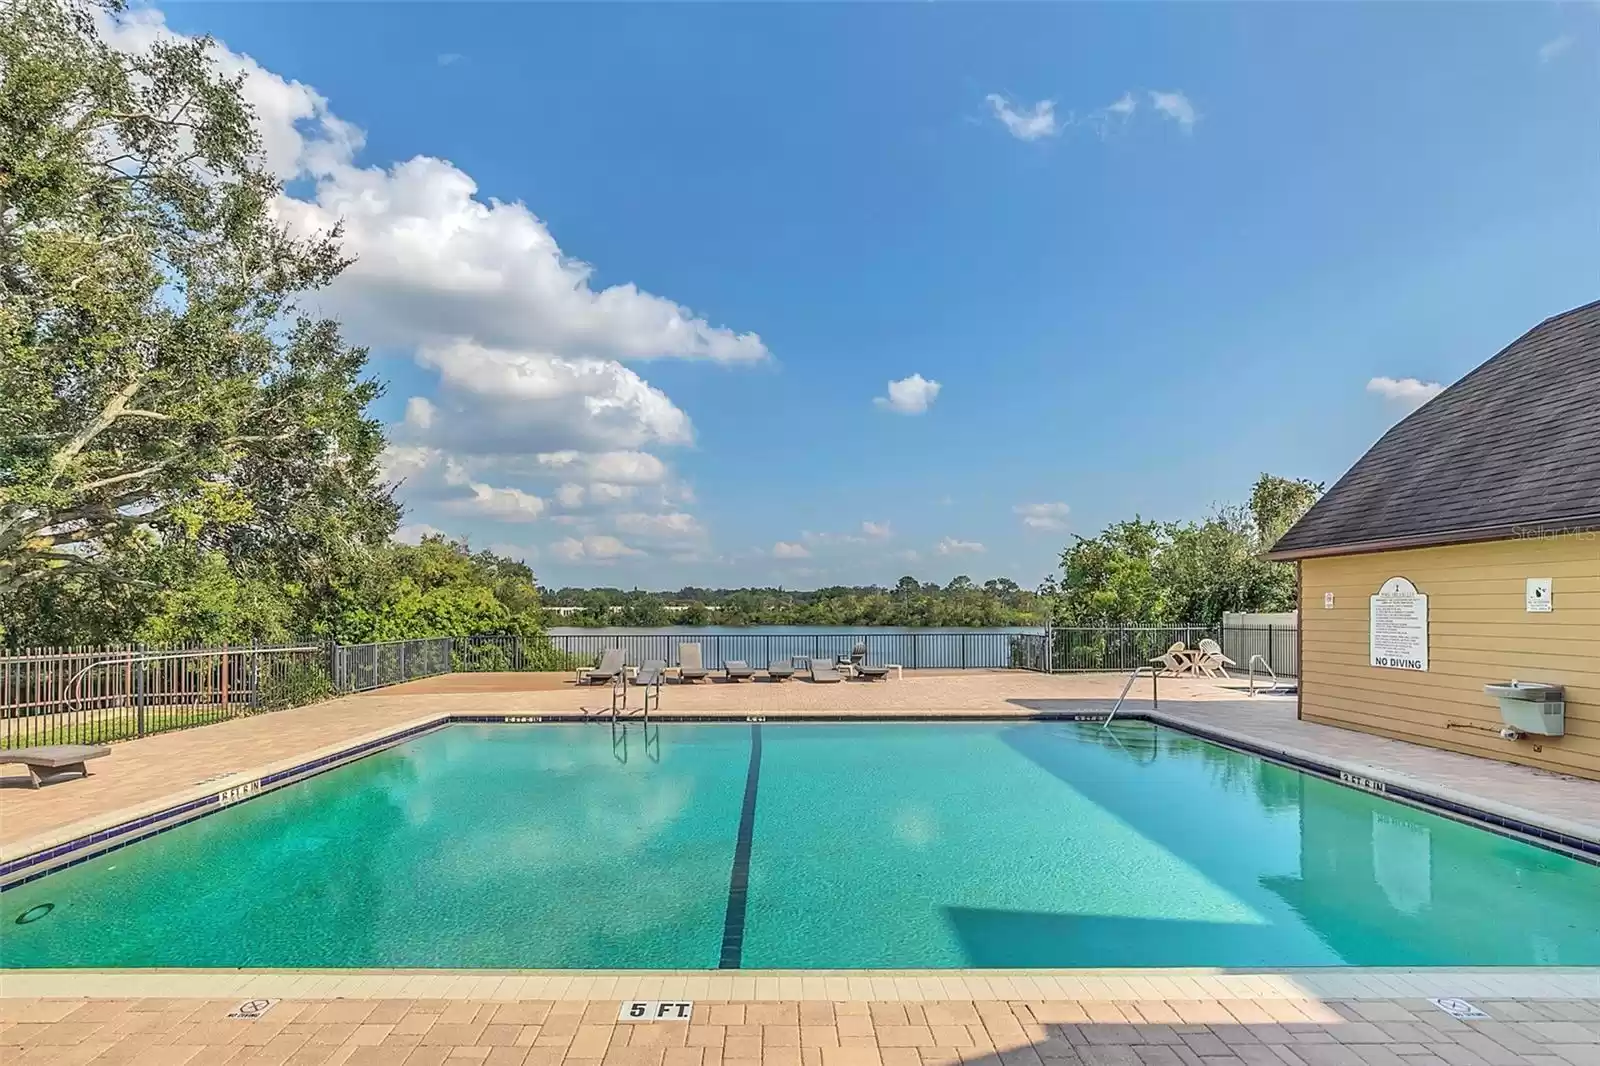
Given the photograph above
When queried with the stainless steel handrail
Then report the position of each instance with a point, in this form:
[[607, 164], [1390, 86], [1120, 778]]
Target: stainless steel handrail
[[1276, 684], [1155, 698]]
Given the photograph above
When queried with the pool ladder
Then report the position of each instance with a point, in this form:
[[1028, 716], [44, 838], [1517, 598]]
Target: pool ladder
[[619, 698]]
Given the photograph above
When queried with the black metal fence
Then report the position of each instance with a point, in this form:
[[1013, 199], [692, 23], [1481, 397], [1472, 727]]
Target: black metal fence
[[360, 667], [93, 695], [971, 650], [1118, 649], [1278, 646]]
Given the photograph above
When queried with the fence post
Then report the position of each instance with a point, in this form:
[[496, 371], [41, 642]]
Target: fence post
[[139, 701], [1272, 645], [963, 651], [1049, 647]]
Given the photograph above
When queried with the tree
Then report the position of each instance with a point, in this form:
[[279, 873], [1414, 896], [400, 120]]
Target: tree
[[437, 588], [1150, 573], [1111, 579], [158, 387], [1276, 503]]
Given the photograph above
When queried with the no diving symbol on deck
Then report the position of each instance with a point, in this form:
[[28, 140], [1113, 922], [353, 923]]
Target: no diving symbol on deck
[[252, 1008], [1458, 1008]]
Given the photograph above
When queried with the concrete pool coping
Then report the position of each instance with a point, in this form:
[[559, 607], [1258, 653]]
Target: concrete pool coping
[[68, 845], [1042, 985]]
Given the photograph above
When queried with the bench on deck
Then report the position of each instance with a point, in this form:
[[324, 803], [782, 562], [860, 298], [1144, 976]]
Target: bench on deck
[[49, 763]]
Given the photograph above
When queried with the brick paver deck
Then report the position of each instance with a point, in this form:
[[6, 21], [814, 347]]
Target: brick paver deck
[[1151, 1032]]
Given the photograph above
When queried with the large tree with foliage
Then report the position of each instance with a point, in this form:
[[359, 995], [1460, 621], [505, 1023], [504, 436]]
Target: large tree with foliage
[[160, 396], [1154, 573]]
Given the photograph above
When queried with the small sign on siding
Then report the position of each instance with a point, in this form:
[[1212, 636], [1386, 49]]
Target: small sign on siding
[[1541, 592]]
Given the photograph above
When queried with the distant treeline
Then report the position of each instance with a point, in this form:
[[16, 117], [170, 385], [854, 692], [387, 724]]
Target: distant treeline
[[910, 602]]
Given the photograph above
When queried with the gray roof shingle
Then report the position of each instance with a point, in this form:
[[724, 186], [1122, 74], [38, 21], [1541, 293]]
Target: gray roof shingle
[[1511, 449]]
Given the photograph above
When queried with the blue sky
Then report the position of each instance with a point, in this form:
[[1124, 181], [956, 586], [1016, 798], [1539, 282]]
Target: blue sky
[[640, 277]]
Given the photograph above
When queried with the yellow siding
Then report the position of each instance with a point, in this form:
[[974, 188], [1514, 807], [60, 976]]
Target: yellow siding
[[1478, 632]]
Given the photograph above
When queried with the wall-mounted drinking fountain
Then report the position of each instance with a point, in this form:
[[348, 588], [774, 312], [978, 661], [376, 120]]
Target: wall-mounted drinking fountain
[[1531, 707]]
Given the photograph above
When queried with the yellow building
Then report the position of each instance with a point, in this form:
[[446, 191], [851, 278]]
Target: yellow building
[[1461, 551]]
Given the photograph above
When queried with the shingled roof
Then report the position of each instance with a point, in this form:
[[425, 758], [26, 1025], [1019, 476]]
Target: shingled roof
[[1512, 449]]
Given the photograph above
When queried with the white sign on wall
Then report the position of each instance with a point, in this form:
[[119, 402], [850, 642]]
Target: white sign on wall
[[1327, 601], [1540, 590], [1399, 626]]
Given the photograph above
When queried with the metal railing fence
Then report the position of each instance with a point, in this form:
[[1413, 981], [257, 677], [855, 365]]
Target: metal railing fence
[[1098, 649], [361, 667], [1279, 645], [94, 695], [971, 650], [90, 696]]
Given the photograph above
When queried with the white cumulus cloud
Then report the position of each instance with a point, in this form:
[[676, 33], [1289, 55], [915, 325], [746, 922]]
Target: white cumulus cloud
[[1043, 515], [414, 532], [952, 546], [1554, 48], [530, 351], [596, 548], [506, 504], [419, 413], [909, 396], [876, 530], [1025, 125], [673, 526], [1176, 106], [789, 550], [435, 260], [1124, 105], [622, 467], [1407, 392]]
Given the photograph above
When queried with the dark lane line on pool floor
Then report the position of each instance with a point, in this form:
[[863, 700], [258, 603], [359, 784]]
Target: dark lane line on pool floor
[[739, 882]]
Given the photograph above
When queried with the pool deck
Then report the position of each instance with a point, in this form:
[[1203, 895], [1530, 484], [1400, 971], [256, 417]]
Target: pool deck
[[155, 773], [498, 1027]]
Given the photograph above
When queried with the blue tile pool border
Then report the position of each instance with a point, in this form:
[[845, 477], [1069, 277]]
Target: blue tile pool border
[[31, 867]]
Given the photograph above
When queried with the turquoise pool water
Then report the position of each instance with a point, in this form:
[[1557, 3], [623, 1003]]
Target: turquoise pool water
[[877, 845]]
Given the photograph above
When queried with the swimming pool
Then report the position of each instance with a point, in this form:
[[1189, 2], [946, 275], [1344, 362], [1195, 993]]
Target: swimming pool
[[698, 845]]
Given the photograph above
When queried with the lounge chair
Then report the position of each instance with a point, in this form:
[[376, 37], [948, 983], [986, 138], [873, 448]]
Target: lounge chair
[[825, 669], [690, 667], [613, 664], [858, 667], [651, 675], [1211, 660], [780, 669], [46, 764], [738, 670]]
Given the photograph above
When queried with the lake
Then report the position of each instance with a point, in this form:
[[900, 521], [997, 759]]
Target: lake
[[910, 647]]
